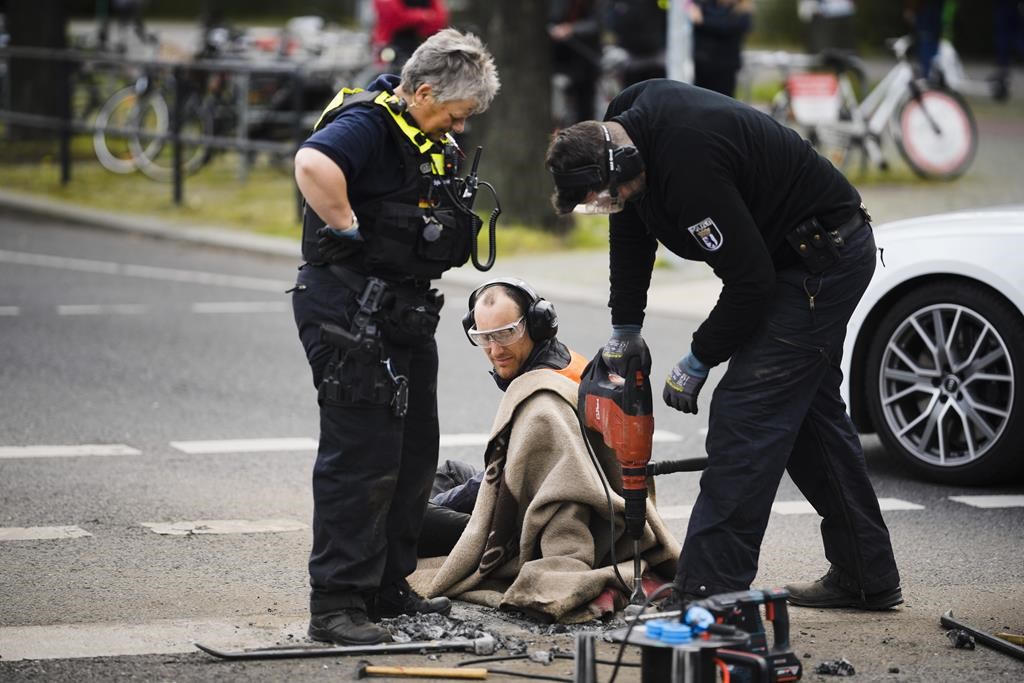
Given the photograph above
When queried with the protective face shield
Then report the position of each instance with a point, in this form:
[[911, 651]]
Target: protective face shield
[[603, 203]]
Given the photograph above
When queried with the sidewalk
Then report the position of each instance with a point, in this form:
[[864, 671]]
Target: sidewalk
[[679, 288]]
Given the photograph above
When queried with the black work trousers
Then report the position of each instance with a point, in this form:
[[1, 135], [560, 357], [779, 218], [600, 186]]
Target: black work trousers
[[373, 470], [778, 407]]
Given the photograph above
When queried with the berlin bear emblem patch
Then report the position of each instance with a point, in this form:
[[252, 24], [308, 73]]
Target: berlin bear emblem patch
[[707, 234]]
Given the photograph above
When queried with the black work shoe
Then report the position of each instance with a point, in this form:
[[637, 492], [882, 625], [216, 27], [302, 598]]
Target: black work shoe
[[677, 601], [347, 627], [826, 592], [400, 598]]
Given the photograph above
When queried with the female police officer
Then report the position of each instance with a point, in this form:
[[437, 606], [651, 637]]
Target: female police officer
[[382, 219], [714, 180]]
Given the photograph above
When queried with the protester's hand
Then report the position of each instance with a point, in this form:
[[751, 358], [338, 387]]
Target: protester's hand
[[684, 383], [624, 348], [335, 244]]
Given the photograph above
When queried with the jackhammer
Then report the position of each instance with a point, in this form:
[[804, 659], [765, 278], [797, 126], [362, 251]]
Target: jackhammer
[[621, 411]]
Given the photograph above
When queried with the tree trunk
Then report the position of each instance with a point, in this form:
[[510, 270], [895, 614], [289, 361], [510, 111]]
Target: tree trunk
[[515, 130], [38, 86]]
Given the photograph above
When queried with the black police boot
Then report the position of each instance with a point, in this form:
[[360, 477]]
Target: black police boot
[[826, 592], [349, 626], [399, 598]]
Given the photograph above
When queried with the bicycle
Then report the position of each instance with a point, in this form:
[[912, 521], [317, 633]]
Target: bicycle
[[932, 127]]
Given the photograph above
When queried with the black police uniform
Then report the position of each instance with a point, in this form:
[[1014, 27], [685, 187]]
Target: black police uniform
[[378, 405], [729, 186]]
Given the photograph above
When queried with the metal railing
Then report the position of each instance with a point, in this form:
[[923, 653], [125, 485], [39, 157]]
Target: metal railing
[[182, 80]]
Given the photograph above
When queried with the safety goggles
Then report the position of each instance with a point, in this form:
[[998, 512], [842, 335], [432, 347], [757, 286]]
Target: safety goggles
[[602, 203], [503, 336]]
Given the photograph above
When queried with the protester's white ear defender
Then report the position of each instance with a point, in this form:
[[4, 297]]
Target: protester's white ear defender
[[539, 313]]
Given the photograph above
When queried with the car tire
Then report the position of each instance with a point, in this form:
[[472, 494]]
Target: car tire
[[953, 411]]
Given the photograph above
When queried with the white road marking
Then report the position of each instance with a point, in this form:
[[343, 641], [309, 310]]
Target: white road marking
[[41, 533], [9, 310], [101, 309], [241, 307], [166, 636], [148, 272], [994, 501], [790, 507], [245, 445], [462, 440], [66, 451], [224, 526], [888, 504]]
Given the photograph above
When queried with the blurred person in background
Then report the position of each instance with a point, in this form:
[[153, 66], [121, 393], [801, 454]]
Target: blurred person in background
[[1008, 27], [575, 32], [640, 28], [925, 16], [719, 27], [401, 26]]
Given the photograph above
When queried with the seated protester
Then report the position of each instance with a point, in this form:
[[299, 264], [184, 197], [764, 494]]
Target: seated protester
[[539, 539], [512, 353]]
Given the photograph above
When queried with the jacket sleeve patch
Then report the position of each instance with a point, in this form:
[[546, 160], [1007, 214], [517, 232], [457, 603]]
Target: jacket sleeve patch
[[707, 234]]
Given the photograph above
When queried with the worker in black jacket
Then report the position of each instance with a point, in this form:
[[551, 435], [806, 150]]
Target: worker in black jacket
[[714, 180]]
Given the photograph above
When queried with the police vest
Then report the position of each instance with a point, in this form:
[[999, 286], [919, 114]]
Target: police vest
[[420, 230]]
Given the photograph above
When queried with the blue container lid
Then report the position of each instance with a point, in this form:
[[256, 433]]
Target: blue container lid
[[653, 628], [676, 633]]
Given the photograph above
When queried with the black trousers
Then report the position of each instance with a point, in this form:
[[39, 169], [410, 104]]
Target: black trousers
[[777, 408], [373, 470]]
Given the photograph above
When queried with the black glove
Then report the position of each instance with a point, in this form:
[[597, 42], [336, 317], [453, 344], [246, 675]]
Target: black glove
[[684, 383], [623, 349], [336, 245]]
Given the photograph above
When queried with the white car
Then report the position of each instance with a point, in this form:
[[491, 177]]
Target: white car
[[934, 355]]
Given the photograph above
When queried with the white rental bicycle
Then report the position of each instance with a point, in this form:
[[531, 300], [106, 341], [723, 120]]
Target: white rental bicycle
[[932, 127]]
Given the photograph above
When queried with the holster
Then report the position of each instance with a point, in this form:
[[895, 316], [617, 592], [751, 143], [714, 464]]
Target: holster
[[815, 246], [410, 316], [355, 377]]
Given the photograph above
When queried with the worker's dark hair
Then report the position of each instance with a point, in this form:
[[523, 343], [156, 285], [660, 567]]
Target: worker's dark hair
[[577, 147]]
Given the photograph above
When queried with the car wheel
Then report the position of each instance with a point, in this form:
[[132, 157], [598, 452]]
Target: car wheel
[[943, 383]]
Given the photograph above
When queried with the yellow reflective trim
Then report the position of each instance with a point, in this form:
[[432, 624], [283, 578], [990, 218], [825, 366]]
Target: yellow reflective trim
[[410, 131], [437, 162], [336, 102]]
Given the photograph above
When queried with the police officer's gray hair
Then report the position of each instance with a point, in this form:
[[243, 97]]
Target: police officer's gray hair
[[456, 65]]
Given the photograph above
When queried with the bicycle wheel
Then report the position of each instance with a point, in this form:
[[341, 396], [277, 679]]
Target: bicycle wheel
[[157, 160], [125, 108], [935, 132]]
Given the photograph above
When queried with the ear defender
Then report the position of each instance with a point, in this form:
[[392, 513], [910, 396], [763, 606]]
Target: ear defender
[[540, 316]]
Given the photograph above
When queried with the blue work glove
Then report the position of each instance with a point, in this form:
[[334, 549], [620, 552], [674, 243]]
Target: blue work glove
[[623, 348], [335, 244], [684, 383]]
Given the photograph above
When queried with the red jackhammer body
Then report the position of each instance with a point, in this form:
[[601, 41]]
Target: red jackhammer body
[[621, 410]]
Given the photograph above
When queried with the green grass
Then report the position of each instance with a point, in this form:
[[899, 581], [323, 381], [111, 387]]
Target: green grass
[[263, 202]]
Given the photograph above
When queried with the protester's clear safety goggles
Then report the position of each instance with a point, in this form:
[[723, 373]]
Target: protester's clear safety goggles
[[503, 336], [602, 203]]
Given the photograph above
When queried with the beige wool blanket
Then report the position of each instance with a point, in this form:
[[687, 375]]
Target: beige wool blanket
[[539, 538]]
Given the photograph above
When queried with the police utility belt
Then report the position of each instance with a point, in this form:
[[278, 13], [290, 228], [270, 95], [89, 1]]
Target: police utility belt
[[817, 246], [361, 370]]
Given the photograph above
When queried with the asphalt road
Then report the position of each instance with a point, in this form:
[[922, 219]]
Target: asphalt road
[[157, 346]]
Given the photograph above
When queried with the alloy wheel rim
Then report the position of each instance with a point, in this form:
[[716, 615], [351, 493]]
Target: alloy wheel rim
[[946, 385]]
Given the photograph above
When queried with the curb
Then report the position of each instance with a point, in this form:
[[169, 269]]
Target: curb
[[676, 300]]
